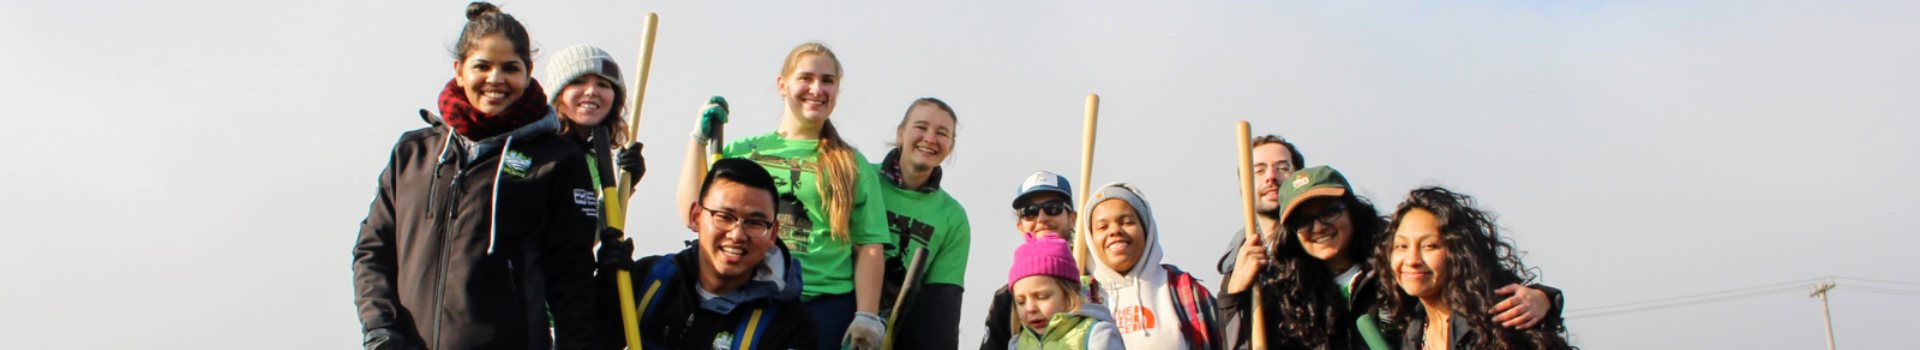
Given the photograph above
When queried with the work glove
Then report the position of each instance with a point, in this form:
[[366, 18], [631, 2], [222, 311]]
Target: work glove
[[615, 253], [384, 339], [866, 331], [631, 161], [712, 117]]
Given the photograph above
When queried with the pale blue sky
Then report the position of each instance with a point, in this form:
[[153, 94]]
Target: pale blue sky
[[193, 173]]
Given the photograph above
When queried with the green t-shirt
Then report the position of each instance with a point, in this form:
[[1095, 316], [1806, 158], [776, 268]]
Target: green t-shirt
[[933, 220], [826, 265]]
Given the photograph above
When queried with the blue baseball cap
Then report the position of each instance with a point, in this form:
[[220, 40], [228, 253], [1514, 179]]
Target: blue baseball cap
[[1042, 181]]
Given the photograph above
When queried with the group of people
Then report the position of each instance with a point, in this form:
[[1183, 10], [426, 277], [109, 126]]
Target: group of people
[[482, 234]]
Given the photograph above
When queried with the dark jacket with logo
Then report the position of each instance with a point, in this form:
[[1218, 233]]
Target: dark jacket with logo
[[681, 319], [468, 243]]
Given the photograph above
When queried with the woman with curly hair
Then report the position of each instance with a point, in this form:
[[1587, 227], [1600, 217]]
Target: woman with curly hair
[[1446, 259], [1319, 286]]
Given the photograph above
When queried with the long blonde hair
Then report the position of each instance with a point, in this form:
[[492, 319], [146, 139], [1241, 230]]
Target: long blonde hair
[[839, 175]]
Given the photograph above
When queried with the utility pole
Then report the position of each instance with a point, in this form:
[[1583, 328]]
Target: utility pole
[[1820, 291]]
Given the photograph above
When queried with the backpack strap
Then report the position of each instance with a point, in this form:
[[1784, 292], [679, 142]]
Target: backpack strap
[[752, 327], [1187, 305], [1091, 288], [656, 283]]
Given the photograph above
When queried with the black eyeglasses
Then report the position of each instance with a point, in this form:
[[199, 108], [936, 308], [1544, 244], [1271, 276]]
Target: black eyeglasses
[[1051, 207], [1326, 216], [725, 221]]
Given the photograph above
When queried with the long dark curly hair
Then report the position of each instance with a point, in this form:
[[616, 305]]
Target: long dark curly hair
[[1479, 261], [1302, 286]]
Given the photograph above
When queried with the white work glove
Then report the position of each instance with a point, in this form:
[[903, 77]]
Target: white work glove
[[865, 332]]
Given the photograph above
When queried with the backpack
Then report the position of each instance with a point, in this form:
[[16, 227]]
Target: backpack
[[746, 335]]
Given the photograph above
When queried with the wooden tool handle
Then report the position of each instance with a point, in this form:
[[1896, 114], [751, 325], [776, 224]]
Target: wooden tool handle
[[1086, 178], [638, 96], [1245, 139]]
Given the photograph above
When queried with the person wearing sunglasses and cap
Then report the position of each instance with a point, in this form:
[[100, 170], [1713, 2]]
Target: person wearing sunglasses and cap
[[1043, 204], [1319, 288]]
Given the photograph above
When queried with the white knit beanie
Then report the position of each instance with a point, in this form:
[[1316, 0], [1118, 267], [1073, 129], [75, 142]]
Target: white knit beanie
[[580, 60]]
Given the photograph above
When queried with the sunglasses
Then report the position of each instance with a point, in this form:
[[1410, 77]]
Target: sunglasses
[[1051, 207], [1327, 216]]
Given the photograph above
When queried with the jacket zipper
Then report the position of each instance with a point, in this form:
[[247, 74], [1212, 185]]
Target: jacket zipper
[[442, 219]]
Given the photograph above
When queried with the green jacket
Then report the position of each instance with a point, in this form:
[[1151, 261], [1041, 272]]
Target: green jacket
[[1089, 328]]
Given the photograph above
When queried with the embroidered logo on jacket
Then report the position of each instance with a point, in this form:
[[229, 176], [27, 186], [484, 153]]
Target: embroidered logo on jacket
[[516, 164], [723, 341]]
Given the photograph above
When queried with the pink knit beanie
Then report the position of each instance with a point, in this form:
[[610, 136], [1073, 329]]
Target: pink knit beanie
[[1044, 255]]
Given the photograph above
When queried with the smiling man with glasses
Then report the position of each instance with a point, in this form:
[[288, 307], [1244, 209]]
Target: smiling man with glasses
[[735, 285]]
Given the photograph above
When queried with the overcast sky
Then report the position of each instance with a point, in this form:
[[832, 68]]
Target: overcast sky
[[192, 173]]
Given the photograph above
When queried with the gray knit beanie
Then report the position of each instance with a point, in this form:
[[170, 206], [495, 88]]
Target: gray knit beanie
[[580, 60]]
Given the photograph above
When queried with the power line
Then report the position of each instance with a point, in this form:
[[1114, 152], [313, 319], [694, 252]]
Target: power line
[[1881, 290], [1874, 280], [1745, 295], [1795, 284], [1734, 294]]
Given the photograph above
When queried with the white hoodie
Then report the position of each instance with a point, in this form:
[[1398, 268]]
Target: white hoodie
[[1142, 301]]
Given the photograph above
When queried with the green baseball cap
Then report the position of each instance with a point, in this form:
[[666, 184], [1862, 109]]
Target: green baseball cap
[[1310, 183]]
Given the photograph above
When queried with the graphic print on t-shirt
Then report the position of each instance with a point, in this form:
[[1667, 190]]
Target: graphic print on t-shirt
[[908, 234], [908, 230], [796, 224]]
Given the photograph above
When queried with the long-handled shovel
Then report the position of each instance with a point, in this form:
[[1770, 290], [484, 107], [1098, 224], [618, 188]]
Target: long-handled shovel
[[1086, 175], [614, 209], [1245, 137]]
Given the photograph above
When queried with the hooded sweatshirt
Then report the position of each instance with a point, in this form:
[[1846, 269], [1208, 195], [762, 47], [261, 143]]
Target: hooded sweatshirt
[[686, 317], [1088, 328], [468, 242], [1142, 300]]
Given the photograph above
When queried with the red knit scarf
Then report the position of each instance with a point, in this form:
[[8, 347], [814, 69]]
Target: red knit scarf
[[459, 113]]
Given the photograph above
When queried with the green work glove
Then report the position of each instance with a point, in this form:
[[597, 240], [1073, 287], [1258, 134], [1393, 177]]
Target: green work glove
[[712, 117]]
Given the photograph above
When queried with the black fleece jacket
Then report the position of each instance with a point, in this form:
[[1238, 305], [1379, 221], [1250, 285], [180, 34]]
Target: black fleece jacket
[[467, 243], [683, 319]]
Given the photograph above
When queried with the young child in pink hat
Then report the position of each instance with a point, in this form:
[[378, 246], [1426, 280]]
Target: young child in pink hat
[[1052, 309]]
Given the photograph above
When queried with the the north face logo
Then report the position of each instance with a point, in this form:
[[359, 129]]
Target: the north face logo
[[1133, 318]]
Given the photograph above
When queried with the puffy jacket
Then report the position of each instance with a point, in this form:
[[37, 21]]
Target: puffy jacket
[[1089, 327], [679, 318], [467, 242]]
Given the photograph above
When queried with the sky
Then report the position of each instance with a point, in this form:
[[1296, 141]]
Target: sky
[[193, 173]]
